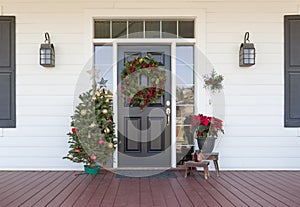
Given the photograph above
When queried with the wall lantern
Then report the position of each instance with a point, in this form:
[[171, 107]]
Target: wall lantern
[[47, 53], [247, 52]]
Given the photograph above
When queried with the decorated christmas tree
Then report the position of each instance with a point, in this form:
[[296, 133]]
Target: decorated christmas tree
[[92, 138]]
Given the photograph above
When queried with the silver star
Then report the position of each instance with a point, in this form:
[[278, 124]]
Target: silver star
[[102, 83]]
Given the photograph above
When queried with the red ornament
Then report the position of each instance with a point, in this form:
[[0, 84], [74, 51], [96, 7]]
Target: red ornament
[[74, 130], [101, 141], [93, 157], [77, 150]]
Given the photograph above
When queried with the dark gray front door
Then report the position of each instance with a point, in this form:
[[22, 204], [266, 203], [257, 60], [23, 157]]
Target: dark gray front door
[[144, 135]]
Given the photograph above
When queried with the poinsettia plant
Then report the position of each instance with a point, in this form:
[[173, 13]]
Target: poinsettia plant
[[137, 94], [206, 126]]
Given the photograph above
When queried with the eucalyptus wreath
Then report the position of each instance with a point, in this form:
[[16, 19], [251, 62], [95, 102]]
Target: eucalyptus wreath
[[137, 94]]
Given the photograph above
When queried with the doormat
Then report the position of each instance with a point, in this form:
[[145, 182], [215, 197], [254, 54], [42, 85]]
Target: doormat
[[145, 174]]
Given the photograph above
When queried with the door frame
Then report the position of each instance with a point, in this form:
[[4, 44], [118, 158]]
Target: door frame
[[199, 42]]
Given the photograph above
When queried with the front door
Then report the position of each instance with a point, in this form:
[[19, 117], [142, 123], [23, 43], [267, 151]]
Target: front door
[[145, 134]]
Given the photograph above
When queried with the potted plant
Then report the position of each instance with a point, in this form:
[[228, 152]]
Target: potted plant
[[205, 130], [92, 139]]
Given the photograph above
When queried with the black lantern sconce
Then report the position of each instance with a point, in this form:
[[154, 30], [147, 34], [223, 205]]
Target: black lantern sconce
[[47, 53], [247, 52]]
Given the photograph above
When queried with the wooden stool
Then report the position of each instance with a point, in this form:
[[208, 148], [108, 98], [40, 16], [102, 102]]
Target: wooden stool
[[191, 164], [215, 157]]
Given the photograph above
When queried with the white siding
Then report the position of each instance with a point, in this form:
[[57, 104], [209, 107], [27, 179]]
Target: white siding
[[255, 137]]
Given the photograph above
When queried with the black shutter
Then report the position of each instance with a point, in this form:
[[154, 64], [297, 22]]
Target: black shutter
[[7, 72]]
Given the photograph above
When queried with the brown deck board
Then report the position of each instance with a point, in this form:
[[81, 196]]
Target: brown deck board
[[33, 188], [192, 194], [214, 194], [134, 195], [271, 189], [232, 188], [145, 193], [247, 190], [18, 190], [259, 189], [110, 195], [234, 199], [42, 193], [56, 191], [69, 191], [100, 192], [182, 198], [85, 197]]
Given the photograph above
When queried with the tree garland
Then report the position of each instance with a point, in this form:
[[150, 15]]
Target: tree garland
[[139, 95]]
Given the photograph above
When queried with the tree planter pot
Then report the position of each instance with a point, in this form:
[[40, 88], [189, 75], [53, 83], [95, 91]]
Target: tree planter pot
[[93, 171], [206, 144]]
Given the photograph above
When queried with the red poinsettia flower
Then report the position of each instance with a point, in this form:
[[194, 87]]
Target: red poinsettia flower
[[74, 130], [205, 126]]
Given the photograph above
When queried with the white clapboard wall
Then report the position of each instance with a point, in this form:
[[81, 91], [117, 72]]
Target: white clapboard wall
[[254, 98]]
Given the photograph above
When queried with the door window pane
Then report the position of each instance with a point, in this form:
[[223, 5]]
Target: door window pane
[[102, 29], [152, 29], [103, 62], [119, 29], [135, 29], [169, 29], [184, 99], [186, 29]]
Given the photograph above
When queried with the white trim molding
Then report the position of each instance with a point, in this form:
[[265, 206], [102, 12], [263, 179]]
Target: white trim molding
[[199, 42]]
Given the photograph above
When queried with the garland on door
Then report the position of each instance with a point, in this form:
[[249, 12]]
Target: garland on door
[[137, 94]]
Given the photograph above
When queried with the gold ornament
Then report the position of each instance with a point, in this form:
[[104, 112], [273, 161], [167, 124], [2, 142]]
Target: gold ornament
[[106, 130], [92, 125], [110, 145], [104, 111], [94, 98], [89, 136], [83, 112]]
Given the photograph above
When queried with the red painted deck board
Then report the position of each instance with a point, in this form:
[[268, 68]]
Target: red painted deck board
[[233, 188]]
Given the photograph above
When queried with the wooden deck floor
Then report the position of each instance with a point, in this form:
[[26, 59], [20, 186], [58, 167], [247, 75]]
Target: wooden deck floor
[[233, 188]]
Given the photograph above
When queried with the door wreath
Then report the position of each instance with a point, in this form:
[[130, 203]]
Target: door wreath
[[137, 94]]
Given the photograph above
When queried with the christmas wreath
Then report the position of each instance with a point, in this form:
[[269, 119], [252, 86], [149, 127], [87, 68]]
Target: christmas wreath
[[137, 94]]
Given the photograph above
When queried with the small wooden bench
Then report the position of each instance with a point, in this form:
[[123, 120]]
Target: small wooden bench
[[190, 165], [215, 157]]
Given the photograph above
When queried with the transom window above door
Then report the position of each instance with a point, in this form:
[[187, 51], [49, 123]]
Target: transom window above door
[[147, 28]]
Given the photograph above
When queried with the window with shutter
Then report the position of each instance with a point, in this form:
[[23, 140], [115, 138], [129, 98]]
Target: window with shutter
[[292, 70], [7, 72]]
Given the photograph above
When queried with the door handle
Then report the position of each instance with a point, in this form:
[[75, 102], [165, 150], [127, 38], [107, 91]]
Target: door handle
[[168, 112]]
